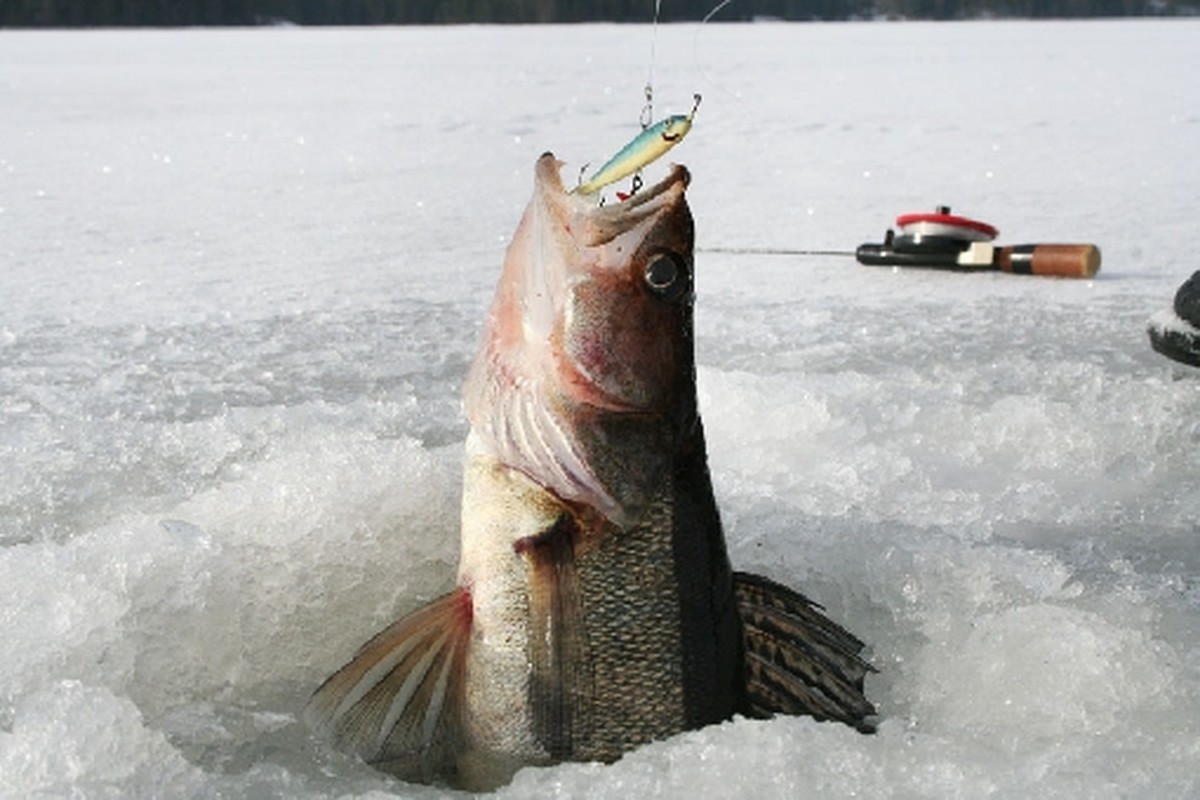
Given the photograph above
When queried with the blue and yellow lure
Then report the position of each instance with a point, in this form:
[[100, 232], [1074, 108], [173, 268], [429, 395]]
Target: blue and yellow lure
[[646, 147]]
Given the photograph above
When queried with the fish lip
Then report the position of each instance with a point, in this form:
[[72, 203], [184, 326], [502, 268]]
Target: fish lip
[[549, 181], [678, 174], [593, 223]]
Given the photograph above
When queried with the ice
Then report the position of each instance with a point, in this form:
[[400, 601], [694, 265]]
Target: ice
[[63, 744], [243, 275]]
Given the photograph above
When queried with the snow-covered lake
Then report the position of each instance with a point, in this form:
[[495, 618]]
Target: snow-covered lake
[[242, 273]]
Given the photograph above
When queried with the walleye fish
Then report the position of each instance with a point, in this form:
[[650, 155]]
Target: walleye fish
[[595, 608]]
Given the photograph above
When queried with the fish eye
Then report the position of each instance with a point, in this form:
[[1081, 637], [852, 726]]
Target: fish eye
[[666, 275]]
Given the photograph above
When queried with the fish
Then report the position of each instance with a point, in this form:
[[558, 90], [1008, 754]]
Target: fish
[[595, 608]]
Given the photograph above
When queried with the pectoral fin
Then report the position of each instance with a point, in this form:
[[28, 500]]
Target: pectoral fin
[[798, 661], [559, 676], [399, 703]]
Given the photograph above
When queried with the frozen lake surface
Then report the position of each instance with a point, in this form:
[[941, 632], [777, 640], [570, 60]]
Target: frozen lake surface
[[243, 272]]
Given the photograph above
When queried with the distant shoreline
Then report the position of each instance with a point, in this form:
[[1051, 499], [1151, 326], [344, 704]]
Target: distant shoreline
[[283, 13]]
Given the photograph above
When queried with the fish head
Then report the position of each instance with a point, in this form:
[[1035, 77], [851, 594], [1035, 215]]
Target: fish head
[[585, 380]]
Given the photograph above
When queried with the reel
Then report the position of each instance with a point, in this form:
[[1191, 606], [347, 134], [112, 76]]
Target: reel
[[941, 240]]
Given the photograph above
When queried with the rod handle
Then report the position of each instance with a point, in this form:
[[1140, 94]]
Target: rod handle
[[1063, 260]]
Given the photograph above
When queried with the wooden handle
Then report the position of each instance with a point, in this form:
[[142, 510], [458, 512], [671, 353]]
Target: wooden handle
[[1063, 260]]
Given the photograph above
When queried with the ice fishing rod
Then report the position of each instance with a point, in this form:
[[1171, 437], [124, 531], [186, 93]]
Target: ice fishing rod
[[941, 240]]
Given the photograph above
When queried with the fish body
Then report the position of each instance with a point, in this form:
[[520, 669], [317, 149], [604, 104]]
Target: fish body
[[595, 608]]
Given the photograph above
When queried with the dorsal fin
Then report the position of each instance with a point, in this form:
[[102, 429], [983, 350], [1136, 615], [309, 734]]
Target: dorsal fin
[[798, 661], [399, 703]]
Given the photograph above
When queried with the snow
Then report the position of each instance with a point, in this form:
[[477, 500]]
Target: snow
[[244, 273]]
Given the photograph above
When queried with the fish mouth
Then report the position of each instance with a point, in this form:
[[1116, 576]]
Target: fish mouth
[[609, 220]]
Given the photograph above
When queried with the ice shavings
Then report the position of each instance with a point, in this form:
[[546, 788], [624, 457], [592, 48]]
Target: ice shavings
[[72, 739], [230, 432]]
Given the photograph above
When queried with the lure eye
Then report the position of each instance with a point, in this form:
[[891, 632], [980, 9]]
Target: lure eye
[[666, 275]]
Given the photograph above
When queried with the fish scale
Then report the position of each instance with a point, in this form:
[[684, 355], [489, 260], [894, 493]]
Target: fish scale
[[631, 613]]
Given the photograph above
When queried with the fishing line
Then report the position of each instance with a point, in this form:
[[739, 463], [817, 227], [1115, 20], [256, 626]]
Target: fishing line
[[704, 73], [772, 251], [714, 11], [647, 115]]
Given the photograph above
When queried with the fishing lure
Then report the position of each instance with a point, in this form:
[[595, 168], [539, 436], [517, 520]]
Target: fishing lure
[[645, 148]]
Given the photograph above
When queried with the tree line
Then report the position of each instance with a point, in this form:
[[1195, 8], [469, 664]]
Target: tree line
[[120, 13]]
